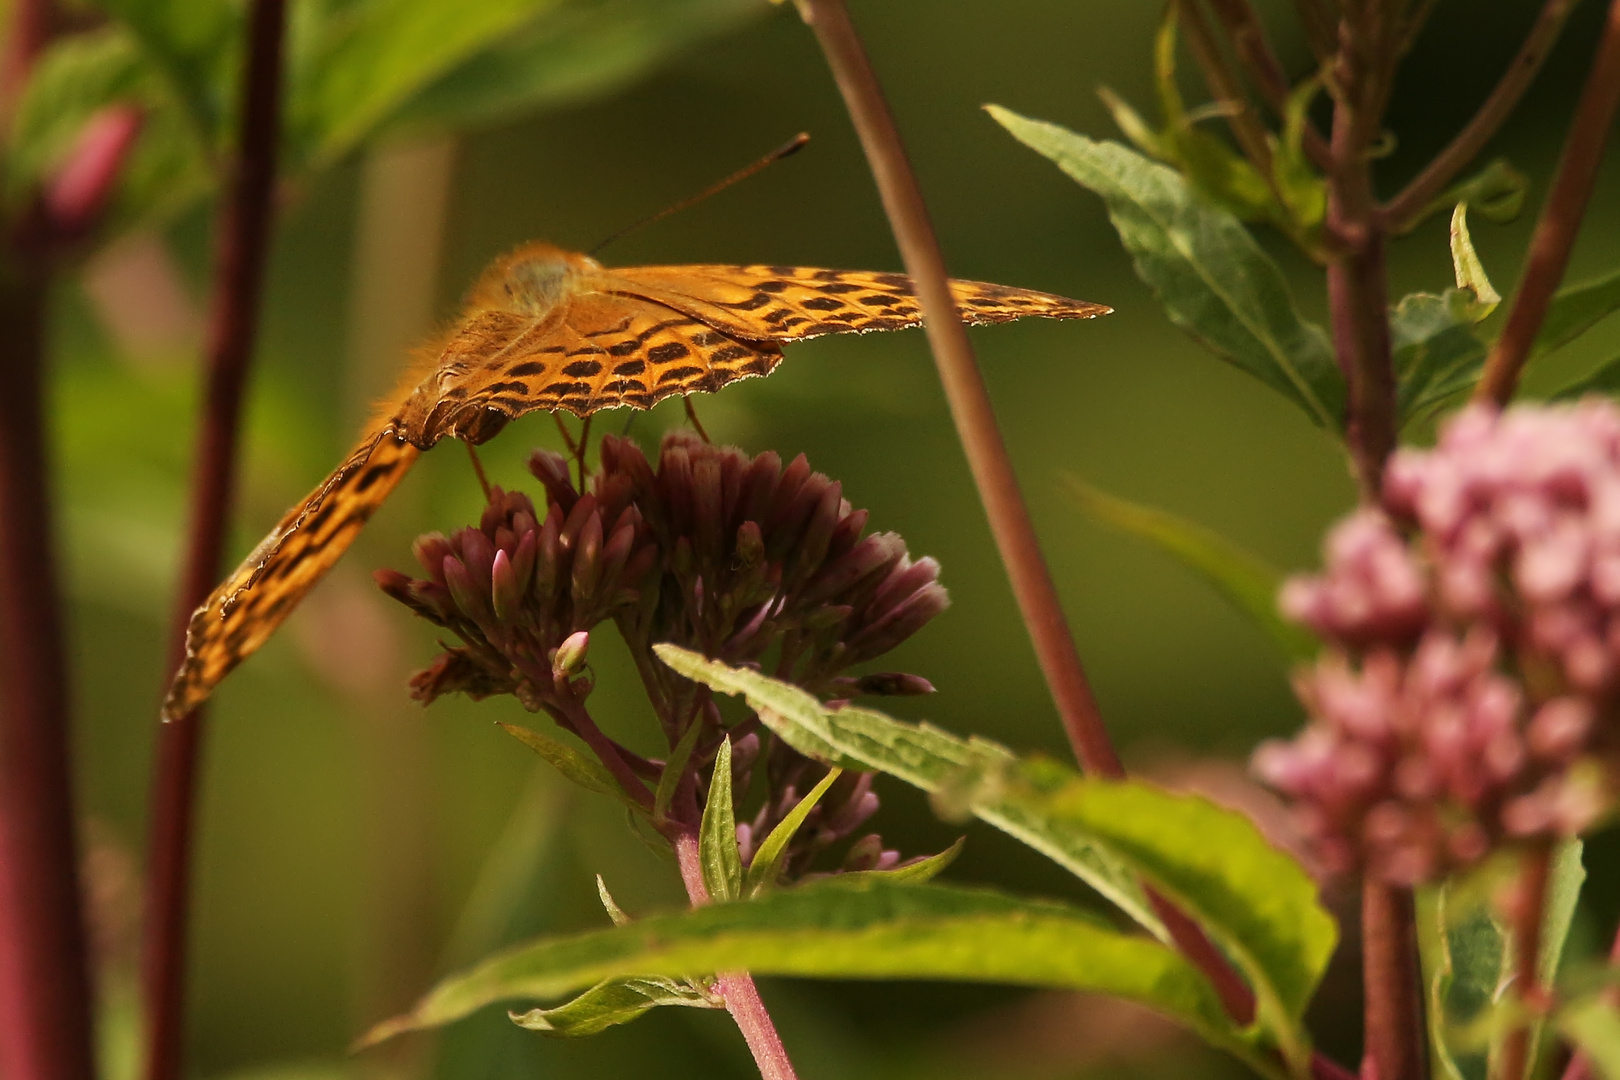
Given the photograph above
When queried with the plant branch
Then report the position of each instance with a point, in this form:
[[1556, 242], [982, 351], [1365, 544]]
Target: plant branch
[[1408, 207], [1560, 218], [1223, 82], [1395, 1043], [45, 999], [241, 251], [1529, 907], [1248, 36], [579, 721], [964, 386], [737, 988]]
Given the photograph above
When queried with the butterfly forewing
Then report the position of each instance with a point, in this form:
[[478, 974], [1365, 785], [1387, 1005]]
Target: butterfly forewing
[[548, 329], [245, 610], [791, 303]]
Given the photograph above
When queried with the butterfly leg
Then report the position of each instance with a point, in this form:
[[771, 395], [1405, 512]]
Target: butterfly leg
[[691, 414], [582, 449], [478, 467]]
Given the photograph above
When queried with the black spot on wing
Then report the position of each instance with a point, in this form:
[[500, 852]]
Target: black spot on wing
[[668, 352]]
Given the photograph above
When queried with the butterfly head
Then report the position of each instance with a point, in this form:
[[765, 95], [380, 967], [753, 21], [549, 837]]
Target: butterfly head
[[533, 279]]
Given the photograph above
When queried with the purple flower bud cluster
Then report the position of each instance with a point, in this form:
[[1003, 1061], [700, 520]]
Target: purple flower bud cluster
[[522, 593], [762, 556], [740, 557], [1467, 696]]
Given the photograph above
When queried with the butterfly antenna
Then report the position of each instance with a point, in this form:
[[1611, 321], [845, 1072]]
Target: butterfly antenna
[[478, 467], [787, 149]]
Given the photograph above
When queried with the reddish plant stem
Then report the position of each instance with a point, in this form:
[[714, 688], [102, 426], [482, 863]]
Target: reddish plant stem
[[46, 1017], [1560, 218], [737, 988], [1395, 1044], [986, 452], [1253, 48], [241, 252], [1408, 207], [1529, 909], [964, 387]]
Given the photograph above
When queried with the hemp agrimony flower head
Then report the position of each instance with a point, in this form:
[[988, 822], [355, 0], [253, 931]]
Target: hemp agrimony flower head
[[737, 556], [1468, 694]]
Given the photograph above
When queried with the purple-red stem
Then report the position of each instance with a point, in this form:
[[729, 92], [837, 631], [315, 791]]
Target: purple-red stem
[[1529, 910], [241, 251], [737, 988], [1560, 218], [46, 1017], [986, 452], [1396, 1048]]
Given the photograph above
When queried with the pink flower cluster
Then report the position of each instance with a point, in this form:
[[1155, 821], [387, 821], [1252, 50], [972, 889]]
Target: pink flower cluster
[[1467, 695]]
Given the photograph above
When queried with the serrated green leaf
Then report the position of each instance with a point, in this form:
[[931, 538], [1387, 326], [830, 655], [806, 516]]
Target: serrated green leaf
[[874, 930], [766, 865], [1469, 271], [582, 48], [1209, 273], [585, 771], [717, 835], [1575, 310], [1592, 1024], [934, 761], [1255, 901], [613, 1002], [1437, 354], [911, 873], [1245, 580], [1604, 379], [675, 768]]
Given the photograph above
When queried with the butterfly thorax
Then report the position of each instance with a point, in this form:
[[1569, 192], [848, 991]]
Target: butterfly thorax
[[532, 280]]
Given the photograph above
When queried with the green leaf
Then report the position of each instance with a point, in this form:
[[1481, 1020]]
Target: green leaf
[[582, 48], [615, 913], [1206, 269], [1605, 380], [1469, 270], [197, 45], [382, 53], [1575, 310], [766, 865], [1593, 1025], [717, 835], [675, 768], [612, 1002], [1436, 352], [1246, 581], [585, 771], [874, 930], [930, 759], [1497, 192], [1256, 902], [911, 873], [1463, 953]]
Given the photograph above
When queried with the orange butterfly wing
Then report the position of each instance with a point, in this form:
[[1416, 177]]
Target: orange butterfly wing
[[791, 303], [242, 613], [611, 338]]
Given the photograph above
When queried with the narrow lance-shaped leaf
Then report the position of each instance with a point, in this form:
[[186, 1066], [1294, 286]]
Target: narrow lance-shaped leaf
[[1575, 309], [585, 771], [1245, 580], [717, 835], [1255, 901], [1209, 273], [613, 1002], [766, 864], [874, 930], [1466, 264]]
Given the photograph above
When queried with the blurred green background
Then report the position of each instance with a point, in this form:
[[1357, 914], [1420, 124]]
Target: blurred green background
[[354, 846]]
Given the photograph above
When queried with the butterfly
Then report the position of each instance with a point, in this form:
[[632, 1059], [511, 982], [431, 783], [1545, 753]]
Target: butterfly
[[550, 329]]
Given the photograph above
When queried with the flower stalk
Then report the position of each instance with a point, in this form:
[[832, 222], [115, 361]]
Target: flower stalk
[[241, 253]]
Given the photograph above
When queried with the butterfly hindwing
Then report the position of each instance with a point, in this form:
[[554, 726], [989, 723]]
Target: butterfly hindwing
[[242, 613], [791, 303]]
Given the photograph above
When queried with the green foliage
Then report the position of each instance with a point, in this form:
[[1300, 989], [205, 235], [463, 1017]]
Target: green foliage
[[834, 929], [1467, 960], [612, 1002], [717, 836], [1245, 580], [580, 768], [766, 865], [1436, 352], [674, 769], [1469, 269], [1593, 1026], [1255, 901], [1213, 279]]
